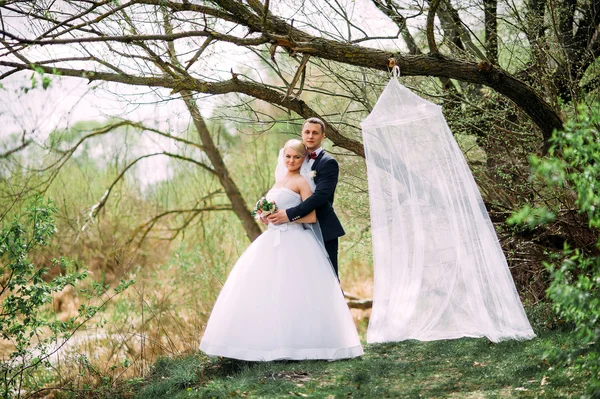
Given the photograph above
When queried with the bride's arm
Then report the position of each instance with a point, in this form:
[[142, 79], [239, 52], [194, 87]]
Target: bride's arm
[[305, 192]]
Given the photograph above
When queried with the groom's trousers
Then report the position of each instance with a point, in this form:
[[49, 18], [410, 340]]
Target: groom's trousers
[[331, 247]]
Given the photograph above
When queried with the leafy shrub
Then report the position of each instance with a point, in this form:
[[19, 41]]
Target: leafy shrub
[[573, 163], [26, 292]]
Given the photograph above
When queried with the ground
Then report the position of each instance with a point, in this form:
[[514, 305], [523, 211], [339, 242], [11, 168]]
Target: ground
[[463, 368]]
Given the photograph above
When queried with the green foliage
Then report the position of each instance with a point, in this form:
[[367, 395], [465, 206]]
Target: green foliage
[[26, 294], [44, 80], [26, 290], [575, 291], [573, 163], [543, 317], [532, 217]]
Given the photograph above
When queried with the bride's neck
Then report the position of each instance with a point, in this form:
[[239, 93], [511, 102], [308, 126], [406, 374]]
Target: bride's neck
[[287, 177]]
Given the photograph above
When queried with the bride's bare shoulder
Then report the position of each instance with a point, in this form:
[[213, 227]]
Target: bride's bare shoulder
[[302, 182]]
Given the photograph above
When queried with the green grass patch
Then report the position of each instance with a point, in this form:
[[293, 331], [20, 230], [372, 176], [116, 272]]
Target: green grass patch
[[463, 368]]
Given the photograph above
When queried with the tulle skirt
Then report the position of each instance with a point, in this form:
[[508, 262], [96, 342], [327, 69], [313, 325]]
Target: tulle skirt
[[282, 300]]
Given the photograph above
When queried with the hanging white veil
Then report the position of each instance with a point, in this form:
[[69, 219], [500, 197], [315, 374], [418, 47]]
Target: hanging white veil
[[440, 272], [306, 172]]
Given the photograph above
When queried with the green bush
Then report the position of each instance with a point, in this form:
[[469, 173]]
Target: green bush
[[26, 319], [25, 295], [573, 163]]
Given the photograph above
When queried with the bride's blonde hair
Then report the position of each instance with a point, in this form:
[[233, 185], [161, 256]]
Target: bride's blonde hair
[[297, 146]]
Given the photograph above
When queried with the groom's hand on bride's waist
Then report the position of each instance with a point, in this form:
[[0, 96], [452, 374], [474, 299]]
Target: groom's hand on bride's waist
[[278, 217]]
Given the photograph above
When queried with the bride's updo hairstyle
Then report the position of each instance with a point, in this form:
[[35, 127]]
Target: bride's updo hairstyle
[[297, 146]]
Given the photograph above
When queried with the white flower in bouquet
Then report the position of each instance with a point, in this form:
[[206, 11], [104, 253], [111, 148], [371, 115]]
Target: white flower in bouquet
[[264, 207]]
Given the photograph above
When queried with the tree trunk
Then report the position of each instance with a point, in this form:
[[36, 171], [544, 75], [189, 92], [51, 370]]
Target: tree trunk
[[233, 193]]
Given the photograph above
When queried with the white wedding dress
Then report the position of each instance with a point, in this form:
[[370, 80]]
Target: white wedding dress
[[282, 300]]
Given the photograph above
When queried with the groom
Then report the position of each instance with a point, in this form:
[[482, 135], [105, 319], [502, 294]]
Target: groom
[[326, 171]]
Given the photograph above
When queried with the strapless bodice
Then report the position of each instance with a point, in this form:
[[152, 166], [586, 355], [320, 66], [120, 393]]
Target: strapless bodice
[[284, 198]]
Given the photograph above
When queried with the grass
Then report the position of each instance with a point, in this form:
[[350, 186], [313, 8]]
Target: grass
[[464, 368]]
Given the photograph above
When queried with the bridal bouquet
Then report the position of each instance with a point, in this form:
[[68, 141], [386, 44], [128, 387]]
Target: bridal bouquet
[[264, 207]]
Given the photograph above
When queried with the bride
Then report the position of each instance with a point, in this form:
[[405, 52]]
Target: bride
[[282, 299]]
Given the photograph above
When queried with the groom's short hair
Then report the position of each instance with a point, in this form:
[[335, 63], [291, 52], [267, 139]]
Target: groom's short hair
[[317, 121]]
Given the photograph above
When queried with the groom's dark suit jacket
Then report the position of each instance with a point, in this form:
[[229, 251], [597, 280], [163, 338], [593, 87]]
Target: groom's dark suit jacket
[[326, 178]]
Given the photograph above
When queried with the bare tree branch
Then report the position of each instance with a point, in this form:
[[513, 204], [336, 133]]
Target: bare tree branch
[[147, 226], [280, 32], [458, 32], [138, 38], [433, 5], [229, 86], [96, 208], [490, 9], [238, 204], [22, 146], [391, 10]]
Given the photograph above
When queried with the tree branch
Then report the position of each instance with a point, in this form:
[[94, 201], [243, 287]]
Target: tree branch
[[284, 34], [96, 208], [149, 224], [392, 12], [456, 30], [491, 27], [23, 145], [433, 5], [440, 66], [139, 38]]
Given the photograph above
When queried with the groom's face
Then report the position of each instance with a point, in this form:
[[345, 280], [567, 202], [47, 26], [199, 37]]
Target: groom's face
[[312, 135]]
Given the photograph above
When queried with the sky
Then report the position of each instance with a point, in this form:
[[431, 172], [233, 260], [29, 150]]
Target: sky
[[70, 100]]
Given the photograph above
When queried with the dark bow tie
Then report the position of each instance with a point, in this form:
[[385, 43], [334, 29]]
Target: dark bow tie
[[312, 155]]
